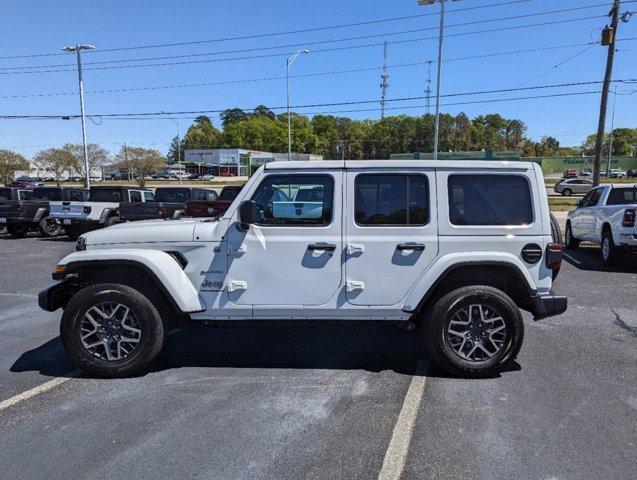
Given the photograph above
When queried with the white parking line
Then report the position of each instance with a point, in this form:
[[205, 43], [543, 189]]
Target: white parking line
[[396, 454], [574, 260], [35, 391]]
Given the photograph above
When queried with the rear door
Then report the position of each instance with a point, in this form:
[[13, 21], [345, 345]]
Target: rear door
[[391, 233]]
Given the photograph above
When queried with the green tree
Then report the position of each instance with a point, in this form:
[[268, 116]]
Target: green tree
[[175, 151], [202, 134], [232, 115], [624, 142], [11, 162], [55, 161], [326, 129], [263, 111], [97, 158], [141, 161]]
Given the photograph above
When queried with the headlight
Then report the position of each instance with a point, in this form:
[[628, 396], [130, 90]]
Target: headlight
[[80, 245]]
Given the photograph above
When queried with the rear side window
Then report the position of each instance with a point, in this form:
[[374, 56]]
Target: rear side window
[[106, 195], [228, 194], [135, 195], [149, 197], [204, 195], [391, 200], [178, 195], [489, 200], [622, 196], [47, 194]]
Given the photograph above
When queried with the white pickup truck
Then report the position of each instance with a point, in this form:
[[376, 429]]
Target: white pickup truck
[[100, 210], [606, 217]]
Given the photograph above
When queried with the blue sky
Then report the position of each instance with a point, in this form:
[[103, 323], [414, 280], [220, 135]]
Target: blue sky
[[28, 27]]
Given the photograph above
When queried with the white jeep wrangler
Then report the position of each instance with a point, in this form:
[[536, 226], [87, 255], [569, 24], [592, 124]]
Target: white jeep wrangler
[[458, 247]]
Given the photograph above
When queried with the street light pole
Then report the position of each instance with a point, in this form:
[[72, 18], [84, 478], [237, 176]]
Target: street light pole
[[77, 49], [289, 63], [439, 74]]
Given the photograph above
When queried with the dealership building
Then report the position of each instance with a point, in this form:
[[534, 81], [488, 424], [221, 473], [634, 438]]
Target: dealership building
[[235, 161]]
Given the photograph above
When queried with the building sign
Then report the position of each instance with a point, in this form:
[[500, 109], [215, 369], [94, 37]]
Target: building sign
[[208, 157]]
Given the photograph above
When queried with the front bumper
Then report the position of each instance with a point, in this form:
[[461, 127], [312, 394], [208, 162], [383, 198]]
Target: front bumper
[[55, 295], [543, 306]]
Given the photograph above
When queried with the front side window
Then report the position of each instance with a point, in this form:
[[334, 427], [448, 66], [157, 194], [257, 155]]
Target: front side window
[[135, 196], [490, 200], [149, 197], [228, 194], [622, 196], [391, 200], [295, 200], [597, 194]]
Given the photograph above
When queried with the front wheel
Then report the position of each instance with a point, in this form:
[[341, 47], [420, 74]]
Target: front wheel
[[112, 330], [571, 242], [567, 192], [474, 331], [50, 229]]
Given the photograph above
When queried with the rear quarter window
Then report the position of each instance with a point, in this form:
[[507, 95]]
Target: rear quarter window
[[494, 200], [622, 196]]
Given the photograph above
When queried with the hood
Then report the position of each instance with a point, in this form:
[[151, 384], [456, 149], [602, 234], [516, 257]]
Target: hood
[[148, 231]]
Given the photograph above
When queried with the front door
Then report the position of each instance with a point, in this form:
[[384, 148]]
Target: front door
[[292, 257], [392, 233]]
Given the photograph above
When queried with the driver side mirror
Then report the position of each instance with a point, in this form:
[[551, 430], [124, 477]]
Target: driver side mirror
[[580, 203], [248, 213]]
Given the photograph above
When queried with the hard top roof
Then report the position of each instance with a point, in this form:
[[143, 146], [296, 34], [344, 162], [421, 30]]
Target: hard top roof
[[357, 164]]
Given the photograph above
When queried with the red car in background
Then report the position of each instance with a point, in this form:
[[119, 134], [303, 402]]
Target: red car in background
[[212, 208]]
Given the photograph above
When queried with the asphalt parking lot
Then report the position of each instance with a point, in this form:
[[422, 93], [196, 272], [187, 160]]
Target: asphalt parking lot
[[323, 401]]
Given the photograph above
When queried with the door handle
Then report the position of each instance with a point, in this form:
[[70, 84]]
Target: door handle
[[411, 246], [330, 247]]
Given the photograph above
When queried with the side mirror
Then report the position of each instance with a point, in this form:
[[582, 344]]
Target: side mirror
[[579, 204], [248, 213]]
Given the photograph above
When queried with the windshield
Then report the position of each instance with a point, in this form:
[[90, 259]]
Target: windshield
[[179, 195], [54, 194], [106, 195]]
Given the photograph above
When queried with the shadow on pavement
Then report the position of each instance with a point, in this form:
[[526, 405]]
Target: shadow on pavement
[[48, 359], [587, 257]]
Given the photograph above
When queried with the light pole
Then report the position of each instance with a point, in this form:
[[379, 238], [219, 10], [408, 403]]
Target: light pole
[[439, 75], [178, 145], [77, 49], [289, 63]]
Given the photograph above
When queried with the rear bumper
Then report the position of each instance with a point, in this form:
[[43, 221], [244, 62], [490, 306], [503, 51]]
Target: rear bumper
[[543, 306], [75, 222]]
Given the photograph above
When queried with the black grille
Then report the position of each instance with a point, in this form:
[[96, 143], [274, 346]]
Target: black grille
[[532, 253]]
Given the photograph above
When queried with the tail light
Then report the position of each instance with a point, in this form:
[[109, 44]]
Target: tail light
[[161, 211], [554, 256], [87, 210], [629, 218]]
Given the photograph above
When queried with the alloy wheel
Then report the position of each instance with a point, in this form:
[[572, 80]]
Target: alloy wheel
[[110, 331], [476, 333]]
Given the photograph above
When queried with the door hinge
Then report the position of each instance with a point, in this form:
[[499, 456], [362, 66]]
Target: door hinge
[[353, 285], [234, 285], [354, 248]]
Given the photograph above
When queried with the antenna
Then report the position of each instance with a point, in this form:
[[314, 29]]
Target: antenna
[[384, 83], [428, 90]]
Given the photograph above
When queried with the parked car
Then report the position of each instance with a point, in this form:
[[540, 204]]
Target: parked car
[[8, 195], [568, 187], [606, 217], [586, 172], [616, 173], [631, 172], [217, 206], [78, 217], [167, 202], [30, 214], [570, 173], [29, 184], [459, 248], [207, 177]]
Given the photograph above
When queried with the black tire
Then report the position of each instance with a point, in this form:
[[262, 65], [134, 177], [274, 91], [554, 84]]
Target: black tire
[[16, 231], [567, 192], [50, 229], [110, 221], [556, 234], [570, 241], [609, 253], [443, 311], [151, 338]]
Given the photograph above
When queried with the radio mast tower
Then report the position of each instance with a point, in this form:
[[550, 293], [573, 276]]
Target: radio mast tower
[[428, 90], [384, 83]]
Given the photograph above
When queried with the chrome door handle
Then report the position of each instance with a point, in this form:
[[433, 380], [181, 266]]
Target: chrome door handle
[[411, 246], [330, 247]]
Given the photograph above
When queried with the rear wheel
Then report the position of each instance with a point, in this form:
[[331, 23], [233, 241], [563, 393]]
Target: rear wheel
[[111, 221], [567, 192], [112, 330], [609, 252], [474, 331], [570, 241], [50, 229], [556, 234]]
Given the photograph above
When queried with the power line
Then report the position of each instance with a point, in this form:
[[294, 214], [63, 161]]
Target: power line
[[271, 34], [309, 44], [314, 51], [356, 102], [308, 75]]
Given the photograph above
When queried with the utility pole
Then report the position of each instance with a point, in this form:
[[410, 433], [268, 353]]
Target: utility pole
[[77, 49], [384, 83], [609, 37], [612, 128], [428, 91]]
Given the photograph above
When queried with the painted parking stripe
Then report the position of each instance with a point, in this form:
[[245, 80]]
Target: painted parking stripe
[[396, 454], [574, 260], [9, 402]]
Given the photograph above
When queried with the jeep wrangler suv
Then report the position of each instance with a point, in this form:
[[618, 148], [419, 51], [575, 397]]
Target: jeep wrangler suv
[[458, 247]]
